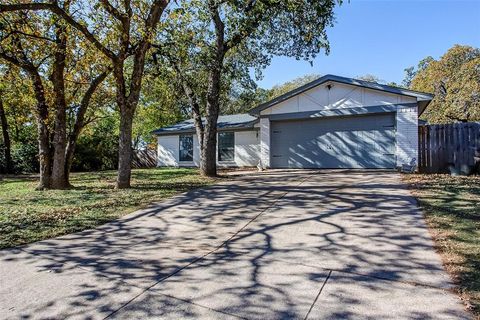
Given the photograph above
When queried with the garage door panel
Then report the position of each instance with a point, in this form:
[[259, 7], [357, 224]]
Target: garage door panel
[[348, 142]]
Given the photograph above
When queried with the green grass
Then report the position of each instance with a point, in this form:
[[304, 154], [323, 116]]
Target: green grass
[[452, 210], [27, 215]]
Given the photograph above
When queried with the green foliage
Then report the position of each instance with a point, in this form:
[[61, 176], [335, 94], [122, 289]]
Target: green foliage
[[455, 81], [244, 100], [160, 105], [18, 102], [24, 157], [44, 86], [97, 147], [280, 89], [254, 32], [371, 78]]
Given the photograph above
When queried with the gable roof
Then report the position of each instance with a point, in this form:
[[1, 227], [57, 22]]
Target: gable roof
[[423, 98], [233, 121]]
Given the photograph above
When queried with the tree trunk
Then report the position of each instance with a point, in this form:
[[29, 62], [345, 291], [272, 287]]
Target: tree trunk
[[80, 122], [42, 132], [208, 156], [6, 139], [127, 105], [59, 179], [208, 161], [126, 120], [125, 148]]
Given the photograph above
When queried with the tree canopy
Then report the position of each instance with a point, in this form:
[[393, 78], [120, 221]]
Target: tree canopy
[[212, 46], [454, 79]]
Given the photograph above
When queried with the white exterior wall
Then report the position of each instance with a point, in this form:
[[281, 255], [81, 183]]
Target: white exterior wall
[[265, 142], [407, 136], [339, 96], [247, 151], [247, 148], [167, 151]]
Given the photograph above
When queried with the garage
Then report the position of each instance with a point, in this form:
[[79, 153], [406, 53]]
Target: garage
[[366, 141]]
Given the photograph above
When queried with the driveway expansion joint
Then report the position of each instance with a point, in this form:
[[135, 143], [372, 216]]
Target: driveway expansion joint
[[318, 295], [207, 254], [411, 283], [202, 306]]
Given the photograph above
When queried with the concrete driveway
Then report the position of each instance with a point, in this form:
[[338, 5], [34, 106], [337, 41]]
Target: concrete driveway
[[275, 245]]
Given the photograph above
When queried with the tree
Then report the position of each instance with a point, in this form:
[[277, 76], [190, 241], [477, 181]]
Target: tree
[[97, 147], [46, 49], [280, 89], [455, 81], [17, 119], [6, 138], [212, 44], [242, 100], [371, 78], [160, 105], [123, 34]]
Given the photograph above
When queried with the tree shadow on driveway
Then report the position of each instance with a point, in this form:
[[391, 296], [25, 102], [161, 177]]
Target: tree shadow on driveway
[[263, 246]]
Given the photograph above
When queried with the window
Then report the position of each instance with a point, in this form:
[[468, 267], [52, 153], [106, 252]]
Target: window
[[226, 146], [186, 148]]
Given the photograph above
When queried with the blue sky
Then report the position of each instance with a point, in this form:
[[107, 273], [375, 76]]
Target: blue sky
[[383, 37]]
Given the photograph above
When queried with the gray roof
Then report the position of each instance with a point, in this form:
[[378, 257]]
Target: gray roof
[[234, 121], [423, 98]]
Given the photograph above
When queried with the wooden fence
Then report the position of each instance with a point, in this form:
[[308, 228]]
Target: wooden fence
[[445, 145], [144, 158]]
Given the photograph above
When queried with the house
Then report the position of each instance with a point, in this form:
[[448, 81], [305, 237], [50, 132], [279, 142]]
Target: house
[[332, 122]]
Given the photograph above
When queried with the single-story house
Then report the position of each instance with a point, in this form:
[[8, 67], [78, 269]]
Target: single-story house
[[332, 122]]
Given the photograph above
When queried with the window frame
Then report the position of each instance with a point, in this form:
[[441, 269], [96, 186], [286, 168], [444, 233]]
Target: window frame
[[190, 136], [219, 146]]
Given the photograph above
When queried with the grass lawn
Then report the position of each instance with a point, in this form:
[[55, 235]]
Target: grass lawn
[[27, 215], [452, 210]]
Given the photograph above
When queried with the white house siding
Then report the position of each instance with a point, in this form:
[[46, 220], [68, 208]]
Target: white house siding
[[167, 151], [247, 151], [247, 148], [407, 136], [339, 96], [265, 142]]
